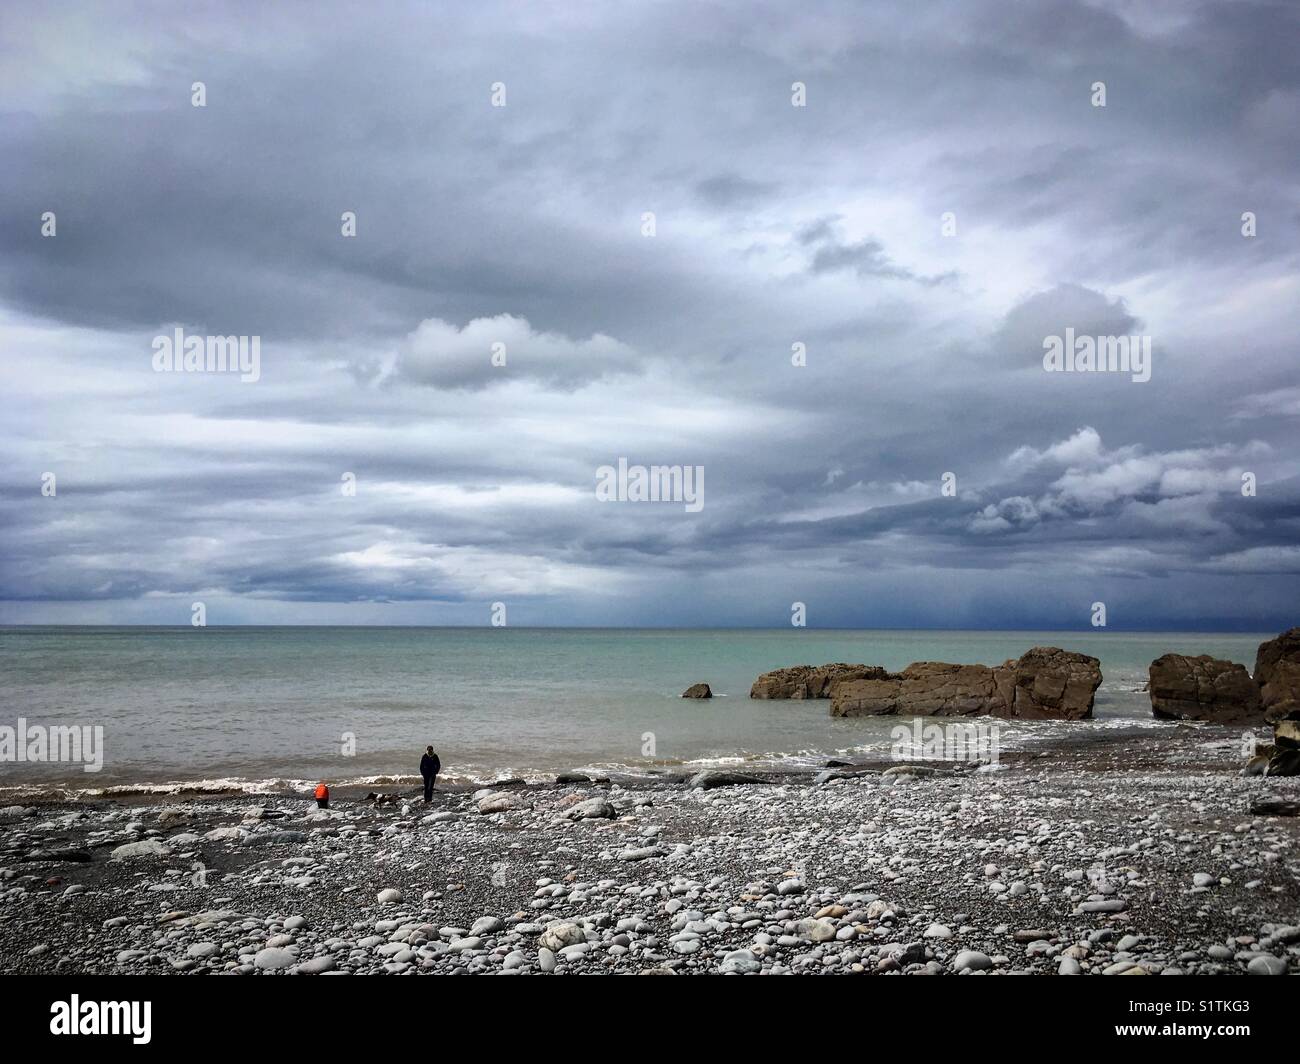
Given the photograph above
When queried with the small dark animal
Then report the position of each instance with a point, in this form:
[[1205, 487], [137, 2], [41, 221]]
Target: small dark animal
[[383, 799]]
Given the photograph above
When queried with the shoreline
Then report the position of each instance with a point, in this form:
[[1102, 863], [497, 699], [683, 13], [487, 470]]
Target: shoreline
[[1031, 737], [1095, 857]]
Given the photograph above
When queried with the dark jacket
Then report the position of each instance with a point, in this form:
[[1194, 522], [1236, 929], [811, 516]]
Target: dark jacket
[[430, 765]]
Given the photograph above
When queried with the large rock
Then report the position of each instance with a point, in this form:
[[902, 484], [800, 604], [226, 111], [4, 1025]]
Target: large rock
[[1282, 757], [272, 958], [146, 848], [559, 935], [1053, 684], [1284, 762], [698, 690], [502, 802], [1203, 688], [809, 681], [711, 778], [924, 688], [1274, 807], [1277, 671], [572, 777], [1257, 763], [592, 809], [1045, 683]]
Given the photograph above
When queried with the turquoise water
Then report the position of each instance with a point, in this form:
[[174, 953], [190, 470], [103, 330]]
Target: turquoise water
[[254, 704]]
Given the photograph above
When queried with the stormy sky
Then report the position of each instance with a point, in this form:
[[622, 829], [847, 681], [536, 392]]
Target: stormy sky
[[523, 229]]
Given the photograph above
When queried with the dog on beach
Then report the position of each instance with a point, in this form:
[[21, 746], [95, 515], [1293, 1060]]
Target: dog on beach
[[382, 799]]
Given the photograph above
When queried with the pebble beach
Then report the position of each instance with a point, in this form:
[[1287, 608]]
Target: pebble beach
[[1104, 856]]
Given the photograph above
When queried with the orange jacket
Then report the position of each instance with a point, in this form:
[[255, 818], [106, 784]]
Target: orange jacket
[[322, 791]]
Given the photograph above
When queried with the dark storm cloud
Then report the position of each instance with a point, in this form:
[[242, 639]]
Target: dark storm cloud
[[773, 226]]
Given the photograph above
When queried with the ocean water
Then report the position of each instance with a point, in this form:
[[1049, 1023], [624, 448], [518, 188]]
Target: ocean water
[[259, 707]]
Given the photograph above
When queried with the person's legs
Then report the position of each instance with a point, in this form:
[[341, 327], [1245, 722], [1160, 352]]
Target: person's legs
[[428, 788]]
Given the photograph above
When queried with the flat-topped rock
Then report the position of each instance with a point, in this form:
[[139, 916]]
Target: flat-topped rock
[[809, 681], [924, 688], [1044, 683], [1203, 688]]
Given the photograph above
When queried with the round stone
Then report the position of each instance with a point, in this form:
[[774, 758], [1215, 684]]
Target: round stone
[[273, 958]]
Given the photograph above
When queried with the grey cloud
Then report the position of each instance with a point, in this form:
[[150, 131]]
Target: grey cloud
[[866, 257], [725, 191], [504, 348], [776, 225], [1065, 306]]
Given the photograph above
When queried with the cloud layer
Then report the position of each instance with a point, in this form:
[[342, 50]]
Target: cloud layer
[[840, 304]]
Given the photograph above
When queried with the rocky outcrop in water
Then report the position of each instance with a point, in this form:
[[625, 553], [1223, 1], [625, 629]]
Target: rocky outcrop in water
[[1052, 684], [809, 681], [1277, 672], [1045, 683], [698, 690], [1203, 688]]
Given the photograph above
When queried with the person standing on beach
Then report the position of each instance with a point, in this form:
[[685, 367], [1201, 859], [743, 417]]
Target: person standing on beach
[[429, 768], [322, 796]]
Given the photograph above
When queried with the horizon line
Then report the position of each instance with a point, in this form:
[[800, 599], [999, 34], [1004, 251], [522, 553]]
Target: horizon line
[[662, 628]]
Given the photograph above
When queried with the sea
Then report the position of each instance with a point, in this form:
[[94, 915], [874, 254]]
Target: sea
[[269, 708]]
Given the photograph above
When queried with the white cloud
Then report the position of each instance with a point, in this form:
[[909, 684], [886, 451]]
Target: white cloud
[[435, 569], [437, 352], [1083, 449]]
